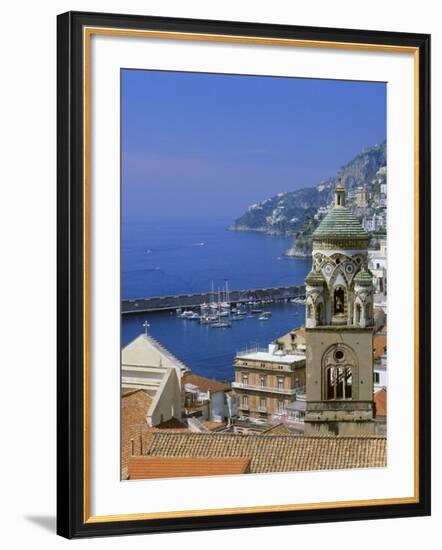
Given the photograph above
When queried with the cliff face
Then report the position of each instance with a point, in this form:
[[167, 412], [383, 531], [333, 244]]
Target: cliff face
[[298, 212], [284, 213]]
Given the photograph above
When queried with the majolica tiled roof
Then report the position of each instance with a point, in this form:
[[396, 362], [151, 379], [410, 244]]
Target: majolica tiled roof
[[277, 453], [315, 278], [364, 277], [339, 222]]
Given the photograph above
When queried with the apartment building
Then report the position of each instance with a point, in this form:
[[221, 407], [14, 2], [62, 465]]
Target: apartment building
[[267, 380]]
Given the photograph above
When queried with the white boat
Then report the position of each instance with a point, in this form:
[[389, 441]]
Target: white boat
[[265, 316], [221, 324], [187, 314], [208, 319]]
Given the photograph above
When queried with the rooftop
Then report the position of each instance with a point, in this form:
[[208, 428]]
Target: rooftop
[[148, 467], [340, 222], [364, 277], [315, 278], [205, 384], [134, 429], [276, 453], [273, 357], [277, 429], [145, 351]]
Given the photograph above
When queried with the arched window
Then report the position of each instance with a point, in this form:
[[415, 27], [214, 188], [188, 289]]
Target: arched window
[[318, 314], [339, 374], [367, 312], [339, 300], [339, 383], [358, 314]]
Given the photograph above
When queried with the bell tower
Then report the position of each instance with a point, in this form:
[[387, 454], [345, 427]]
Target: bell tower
[[339, 327]]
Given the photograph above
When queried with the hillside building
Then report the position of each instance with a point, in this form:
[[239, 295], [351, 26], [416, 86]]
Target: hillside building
[[361, 197]]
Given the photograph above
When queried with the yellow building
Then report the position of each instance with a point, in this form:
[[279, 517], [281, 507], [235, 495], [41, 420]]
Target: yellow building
[[267, 380]]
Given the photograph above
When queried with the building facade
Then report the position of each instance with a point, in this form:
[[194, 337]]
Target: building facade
[[378, 266], [266, 381], [148, 366], [339, 328], [361, 197]]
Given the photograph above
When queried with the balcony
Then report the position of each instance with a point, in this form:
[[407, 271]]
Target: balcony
[[265, 389]]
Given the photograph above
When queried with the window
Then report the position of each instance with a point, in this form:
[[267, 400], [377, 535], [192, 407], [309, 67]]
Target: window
[[339, 300], [358, 313], [280, 383], [262, 404], [376, 377], [245, 379], [245, 402], [339, 383], [309, 311], [318, 314], [280, 406]]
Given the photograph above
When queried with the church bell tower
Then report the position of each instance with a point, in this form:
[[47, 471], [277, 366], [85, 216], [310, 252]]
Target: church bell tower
[[339, 327]]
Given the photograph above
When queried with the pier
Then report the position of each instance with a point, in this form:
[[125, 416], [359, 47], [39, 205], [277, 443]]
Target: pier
[[164, 303]]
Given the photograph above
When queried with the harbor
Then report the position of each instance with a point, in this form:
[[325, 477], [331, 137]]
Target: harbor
[[241, 297], [211, 351]]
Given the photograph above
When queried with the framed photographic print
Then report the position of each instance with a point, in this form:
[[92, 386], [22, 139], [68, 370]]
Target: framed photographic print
[[243, 274]]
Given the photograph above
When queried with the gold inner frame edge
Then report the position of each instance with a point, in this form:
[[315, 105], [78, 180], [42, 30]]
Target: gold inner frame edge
[[87, 34]]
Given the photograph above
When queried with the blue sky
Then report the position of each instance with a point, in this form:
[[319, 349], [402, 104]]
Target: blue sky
[[210, 145]]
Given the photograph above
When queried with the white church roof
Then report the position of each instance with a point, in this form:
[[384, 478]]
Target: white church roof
[[145, 351]]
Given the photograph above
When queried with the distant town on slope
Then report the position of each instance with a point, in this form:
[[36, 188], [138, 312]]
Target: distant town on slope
[[299, 212]]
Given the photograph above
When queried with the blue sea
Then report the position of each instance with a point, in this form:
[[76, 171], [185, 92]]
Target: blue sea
[[186, 256]]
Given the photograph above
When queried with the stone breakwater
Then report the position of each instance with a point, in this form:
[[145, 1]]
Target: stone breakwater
[[163, 303]]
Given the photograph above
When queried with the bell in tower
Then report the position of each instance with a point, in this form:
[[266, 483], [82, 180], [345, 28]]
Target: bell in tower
[[339, 327]]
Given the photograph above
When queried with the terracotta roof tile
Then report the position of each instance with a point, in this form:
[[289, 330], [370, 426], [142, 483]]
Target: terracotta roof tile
[[148, 467], [278, 429], [172, 424], [135, 432], [134, 429], [205, 384], [278, 453], [214, 426]]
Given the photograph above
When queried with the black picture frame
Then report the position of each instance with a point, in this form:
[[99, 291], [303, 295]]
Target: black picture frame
[[71, 519]]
